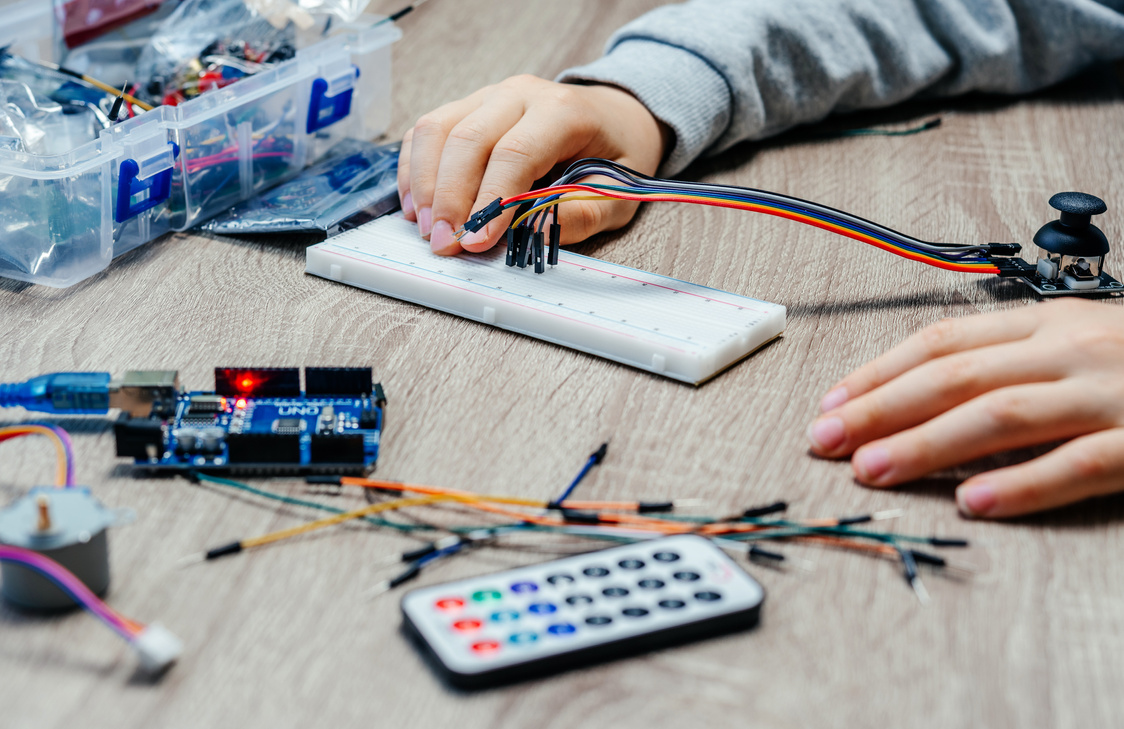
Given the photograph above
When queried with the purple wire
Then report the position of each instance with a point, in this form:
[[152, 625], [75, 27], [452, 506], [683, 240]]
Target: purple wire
[[68, 446], [68, 583]]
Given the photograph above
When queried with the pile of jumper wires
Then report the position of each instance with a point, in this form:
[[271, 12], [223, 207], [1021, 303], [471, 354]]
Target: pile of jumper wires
[[612, 521]]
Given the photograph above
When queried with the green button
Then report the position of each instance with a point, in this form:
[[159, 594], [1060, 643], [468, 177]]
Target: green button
[[485, 595]]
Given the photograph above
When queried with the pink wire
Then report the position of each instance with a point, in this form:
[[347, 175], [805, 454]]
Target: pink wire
[[69, 583]]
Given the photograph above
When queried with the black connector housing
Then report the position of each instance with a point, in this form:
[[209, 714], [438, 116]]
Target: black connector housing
[[272, 448], [573, 516], [538, 252], [948, 542], [522, 247], [336, 448], [926, 558], [485, 215], [135, 436], [337, 381], [1003, 249], [258, 381], [555, 239], [756, 511], [512, 246]]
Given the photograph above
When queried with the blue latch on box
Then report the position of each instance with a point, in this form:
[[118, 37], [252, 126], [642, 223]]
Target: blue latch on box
[[144, 184], [331, 99]]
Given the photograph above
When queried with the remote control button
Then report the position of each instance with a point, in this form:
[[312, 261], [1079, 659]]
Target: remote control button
[[468, 625], [666, 556], [708, 596], [559, 580], [687, 576], [485, 646], [634, 612], [595, 572], [524, 587], [561, 629], [579, 600], [486, 595], [523, 638], [541, 608], [672, 604], [631, 564], [614, 592], [505, 616], [651, 584], [598, 620], [448, 604]]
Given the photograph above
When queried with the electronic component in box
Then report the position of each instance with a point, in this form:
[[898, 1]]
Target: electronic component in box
[[260, 420]]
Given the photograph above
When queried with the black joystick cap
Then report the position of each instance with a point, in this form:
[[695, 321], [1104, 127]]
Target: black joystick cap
[[1073, 234]]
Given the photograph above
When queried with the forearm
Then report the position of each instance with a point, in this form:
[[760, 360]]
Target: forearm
[[719, 72]]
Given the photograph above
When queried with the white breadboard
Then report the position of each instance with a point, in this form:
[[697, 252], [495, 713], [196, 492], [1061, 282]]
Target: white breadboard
[[659, 324]]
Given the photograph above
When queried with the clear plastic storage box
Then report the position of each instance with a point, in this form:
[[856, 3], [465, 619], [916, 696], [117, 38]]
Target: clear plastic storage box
[[64, 217]]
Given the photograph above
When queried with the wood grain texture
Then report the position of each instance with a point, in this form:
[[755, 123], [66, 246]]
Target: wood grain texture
[[283, 638]]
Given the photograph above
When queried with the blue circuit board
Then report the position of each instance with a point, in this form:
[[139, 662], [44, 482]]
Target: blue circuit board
[[260, 421]]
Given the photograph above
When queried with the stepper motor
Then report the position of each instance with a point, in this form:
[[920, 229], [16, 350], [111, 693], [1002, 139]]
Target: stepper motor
[[67, 525]]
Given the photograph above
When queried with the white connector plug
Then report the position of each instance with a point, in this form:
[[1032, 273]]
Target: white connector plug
[[157, 648]]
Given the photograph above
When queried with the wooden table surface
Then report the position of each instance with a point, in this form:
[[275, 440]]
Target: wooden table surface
[[283, 637]]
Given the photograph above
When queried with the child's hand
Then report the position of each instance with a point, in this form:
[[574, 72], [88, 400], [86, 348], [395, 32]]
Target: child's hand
[[965, 388], [501, 139]]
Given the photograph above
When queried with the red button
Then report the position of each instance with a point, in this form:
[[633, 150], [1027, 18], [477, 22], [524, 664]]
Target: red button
[[450, 603], [486, 646], [468, 625]]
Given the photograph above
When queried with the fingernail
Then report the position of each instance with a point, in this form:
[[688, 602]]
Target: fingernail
[[471, 239], [872, 463], [976, 500], [826, 434], [408, 202], [425, 221], [442, 240], [833, 399]]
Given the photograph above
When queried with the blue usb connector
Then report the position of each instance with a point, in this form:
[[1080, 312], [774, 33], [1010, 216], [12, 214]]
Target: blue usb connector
[[61, 393]]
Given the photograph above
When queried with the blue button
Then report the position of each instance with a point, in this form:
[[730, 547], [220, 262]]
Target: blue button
[[561, 629], [505, 616], [524, 587], [523, 638], [541, 608]]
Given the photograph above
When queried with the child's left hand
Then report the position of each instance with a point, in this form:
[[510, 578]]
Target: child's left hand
[[966, 388]]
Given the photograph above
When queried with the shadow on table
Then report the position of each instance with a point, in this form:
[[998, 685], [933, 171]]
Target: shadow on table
[[1100, 511], [116, 268], [289, 245]]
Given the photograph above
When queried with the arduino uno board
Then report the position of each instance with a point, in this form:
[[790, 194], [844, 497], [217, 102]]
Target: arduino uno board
[[260, 420]]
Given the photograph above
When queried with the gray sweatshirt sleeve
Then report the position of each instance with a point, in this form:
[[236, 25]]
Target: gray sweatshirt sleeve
[[719, 72]]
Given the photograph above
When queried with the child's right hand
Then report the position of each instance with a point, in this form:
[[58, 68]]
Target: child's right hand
[[501, 139]]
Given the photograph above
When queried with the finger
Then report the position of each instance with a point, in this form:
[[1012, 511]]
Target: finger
[[1013, 417], [1089, 466], [928, 390], [404, 196], [426, 146], [946, 337], [546, 135], [581, 219], [463, 160]]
